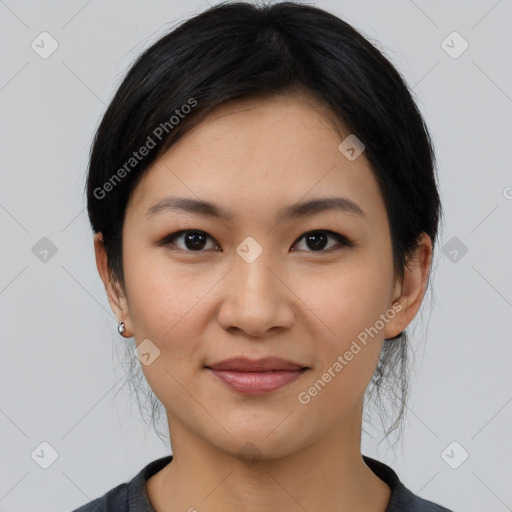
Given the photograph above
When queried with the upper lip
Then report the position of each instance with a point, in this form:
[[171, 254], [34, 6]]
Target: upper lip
[[242, 364]]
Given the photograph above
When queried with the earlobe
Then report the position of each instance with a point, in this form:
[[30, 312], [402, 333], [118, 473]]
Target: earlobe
[[412, 288], [395, 326], [115, 295]]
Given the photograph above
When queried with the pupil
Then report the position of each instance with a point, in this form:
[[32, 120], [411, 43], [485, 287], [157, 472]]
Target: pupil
[[192, 237], [318, 241]]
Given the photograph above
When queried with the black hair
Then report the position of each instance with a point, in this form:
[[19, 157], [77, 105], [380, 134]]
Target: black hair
[[241, 50]]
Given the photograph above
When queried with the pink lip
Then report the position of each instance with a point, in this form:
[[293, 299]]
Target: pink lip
[[256, 377]]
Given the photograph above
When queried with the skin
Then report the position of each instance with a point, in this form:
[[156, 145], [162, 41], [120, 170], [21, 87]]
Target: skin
[[253, 157]]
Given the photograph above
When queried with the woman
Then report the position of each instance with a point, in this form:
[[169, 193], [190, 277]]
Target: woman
[[263, 195]]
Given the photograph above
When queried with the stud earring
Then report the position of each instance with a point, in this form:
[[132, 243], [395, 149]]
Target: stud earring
[[120, 327]]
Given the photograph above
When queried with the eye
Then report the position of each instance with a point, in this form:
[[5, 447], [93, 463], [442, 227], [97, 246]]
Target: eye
[[196, 241], [317, 240]]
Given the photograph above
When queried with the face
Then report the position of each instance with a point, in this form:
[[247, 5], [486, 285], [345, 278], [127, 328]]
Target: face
[[256, 282]]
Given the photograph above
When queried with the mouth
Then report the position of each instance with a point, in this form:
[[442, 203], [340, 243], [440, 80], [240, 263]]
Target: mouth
[[256, 377]]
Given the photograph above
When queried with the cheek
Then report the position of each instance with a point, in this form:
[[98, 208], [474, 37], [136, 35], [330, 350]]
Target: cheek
[[348, 304], [348, 349], [348, 299], [166, 308], [163, 295], [331, 395]]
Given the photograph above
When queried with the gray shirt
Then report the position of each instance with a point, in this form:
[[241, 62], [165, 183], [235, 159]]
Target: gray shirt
[[132, 497]]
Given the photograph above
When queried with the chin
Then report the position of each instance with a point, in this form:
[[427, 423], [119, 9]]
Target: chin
[[265, 442]]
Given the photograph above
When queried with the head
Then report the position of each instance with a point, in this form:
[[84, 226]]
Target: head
[[254, 110]]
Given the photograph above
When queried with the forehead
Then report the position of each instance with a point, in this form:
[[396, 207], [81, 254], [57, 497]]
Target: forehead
[[259, 154]]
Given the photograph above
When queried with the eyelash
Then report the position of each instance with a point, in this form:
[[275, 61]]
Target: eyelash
[[342, 241]]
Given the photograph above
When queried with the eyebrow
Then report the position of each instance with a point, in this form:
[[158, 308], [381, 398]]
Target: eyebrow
[[208, 209]]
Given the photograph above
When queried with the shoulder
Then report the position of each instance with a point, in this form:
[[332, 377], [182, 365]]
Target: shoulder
[[402, 499], [128, 496], [407, 501], [115, 500]]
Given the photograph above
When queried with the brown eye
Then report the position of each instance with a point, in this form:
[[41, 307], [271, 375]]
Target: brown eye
[[197, 241], [192, 241], [318, 240]]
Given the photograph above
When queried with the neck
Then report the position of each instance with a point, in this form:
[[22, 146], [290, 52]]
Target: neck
[[328, 474]]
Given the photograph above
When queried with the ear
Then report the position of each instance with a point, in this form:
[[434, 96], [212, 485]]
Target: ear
[[409, 292], [116, 297]]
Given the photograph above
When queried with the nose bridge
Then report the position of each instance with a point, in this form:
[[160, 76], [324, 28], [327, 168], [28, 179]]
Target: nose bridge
[[252, 270], [255, 299]]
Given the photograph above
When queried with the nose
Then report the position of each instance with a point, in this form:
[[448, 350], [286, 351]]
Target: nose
[[256, 299]]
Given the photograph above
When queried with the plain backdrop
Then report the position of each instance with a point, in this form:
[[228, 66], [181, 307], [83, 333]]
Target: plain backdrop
[[62, 398]]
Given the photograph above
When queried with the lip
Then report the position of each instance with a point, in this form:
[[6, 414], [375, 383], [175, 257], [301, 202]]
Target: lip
[[256, 377], [265, 364]]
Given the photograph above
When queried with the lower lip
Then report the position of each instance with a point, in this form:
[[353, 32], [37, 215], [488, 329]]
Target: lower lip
[[257, 383]]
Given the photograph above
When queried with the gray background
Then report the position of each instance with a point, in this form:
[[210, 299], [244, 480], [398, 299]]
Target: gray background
[[60, 381]]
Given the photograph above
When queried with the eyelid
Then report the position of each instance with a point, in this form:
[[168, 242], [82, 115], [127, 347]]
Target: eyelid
[[169, 239], [342, 241]]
